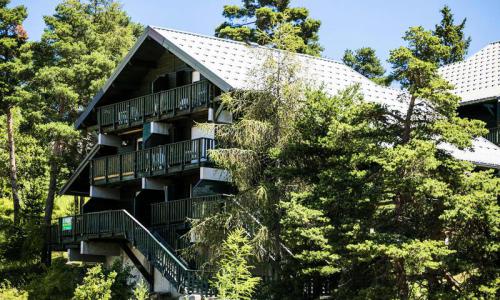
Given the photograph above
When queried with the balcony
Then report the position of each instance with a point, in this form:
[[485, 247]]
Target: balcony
[[156, 161], [162, 105], [494, 135], [174, 211]]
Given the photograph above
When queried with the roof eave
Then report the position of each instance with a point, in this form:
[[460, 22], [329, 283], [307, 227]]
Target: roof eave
[[150, 32]]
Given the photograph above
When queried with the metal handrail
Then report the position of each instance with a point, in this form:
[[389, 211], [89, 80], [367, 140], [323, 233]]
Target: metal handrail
[[120, 223]]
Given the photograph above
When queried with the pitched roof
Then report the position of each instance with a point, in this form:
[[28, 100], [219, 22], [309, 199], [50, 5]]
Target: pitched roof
[[477, 78], [228, 64], [233, 62]]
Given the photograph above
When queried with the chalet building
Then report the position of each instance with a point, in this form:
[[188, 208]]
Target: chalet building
[[149, 170], [477, 81]]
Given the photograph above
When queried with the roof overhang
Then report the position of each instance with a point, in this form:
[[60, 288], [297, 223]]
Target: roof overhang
[[71, 186], [151, 33]]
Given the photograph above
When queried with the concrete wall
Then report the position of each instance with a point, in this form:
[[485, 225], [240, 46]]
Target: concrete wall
[[161, 285]]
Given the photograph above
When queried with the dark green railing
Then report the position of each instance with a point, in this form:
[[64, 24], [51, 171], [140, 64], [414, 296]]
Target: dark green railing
[[121, 225], [178, 210], [154, 161], [494, 135], [165, 103], [166, 213]]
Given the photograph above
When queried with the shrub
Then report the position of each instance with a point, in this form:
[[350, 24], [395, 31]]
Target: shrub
[[57, 283]]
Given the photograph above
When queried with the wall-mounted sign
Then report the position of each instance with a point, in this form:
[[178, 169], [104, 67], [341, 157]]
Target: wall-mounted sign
[[67, 223]]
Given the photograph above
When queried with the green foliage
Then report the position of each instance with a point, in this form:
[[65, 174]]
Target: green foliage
[[58, 281], [96, 285], [258, 21], [122, 286], [234, 279], [141, 291], [82, 43], [12, 37], [306, 229], [8, 292], [365, 61], [452, 36]]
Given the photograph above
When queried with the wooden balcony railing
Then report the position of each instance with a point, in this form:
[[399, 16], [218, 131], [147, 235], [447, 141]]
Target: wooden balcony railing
[[494, 135], [154, 161], [178, 210], [167, 103]]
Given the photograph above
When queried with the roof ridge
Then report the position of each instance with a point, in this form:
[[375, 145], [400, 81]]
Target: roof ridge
[[475, 53], [273, 49], [245, 43]]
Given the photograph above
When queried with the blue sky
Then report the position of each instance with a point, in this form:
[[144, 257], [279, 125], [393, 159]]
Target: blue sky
[[345, 24]]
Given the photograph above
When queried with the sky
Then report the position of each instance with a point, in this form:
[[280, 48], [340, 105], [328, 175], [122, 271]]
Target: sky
[[346, 24]]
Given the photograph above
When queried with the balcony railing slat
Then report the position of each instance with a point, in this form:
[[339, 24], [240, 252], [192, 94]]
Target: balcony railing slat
[[175, 211], [494, 135]]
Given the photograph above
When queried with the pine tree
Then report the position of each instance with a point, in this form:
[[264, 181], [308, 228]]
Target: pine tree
[[408, 220], [234, 279], [12, 37], [257, 21], [81, 45], [365, 61], [453, 36]]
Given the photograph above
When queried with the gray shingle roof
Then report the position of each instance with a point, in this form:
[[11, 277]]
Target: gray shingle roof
[[233, 62], [478, 77]]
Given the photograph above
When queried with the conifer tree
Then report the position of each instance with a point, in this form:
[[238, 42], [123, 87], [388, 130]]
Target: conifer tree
[[400, 206], [234, 279], [453, 36], [12, 38], [81, 45], [365, 61], [257, 21]]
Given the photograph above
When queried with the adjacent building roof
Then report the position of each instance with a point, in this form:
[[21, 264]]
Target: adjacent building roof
[[229, 65], [477, 78]]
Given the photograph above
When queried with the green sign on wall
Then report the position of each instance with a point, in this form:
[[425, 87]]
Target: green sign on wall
[[67, 223]]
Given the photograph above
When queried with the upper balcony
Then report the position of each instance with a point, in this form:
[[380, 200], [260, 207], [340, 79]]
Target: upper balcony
[[162, 105], [156, 161]]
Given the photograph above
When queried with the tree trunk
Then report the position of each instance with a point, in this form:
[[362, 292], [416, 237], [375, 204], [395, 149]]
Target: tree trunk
[[407, 123], [49, 204], [12, 164]]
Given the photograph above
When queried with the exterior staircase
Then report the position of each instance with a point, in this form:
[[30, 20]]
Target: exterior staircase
[[120, 225]]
